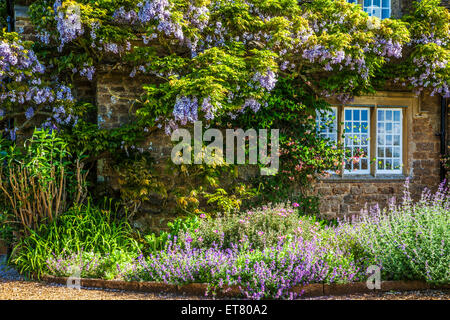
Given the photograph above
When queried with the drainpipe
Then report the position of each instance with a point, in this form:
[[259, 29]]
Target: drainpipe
[[10, 27], [10, 13], [443, 134]]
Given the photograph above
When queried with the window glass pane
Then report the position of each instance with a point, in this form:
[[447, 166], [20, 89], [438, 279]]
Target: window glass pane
[[396, 164], [364, 127], [385, 14], [364, 115], [348, 114], [388, 115], [388, 127], [386, 3], [357, 140], [389, 140], [397, 152], [326, 123], [389, 152]]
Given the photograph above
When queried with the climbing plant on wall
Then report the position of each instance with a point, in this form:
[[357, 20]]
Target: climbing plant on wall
[[228, 63]]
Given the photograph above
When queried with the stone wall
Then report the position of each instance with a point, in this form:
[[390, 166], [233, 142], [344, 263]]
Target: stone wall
[[339, 196], [114, 91]]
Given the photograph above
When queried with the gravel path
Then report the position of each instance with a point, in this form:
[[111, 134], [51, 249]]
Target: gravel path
[[15, 287], [27, 290], [394, 295]]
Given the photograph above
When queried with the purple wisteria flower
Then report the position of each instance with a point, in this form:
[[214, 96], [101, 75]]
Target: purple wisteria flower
[[185, 110]]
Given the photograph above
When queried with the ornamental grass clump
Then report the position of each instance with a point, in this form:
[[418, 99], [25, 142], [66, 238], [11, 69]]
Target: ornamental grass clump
[[410, 240], [262, 227], [82, 231]]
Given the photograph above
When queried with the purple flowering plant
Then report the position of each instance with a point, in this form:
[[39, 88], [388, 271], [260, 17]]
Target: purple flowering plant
[[26, 91], [219, 57]]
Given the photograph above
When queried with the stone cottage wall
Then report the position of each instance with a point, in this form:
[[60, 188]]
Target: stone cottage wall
[[338, 197], [113, 93]]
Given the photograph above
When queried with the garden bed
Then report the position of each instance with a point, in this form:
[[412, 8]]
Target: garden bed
[[267, 252], [199, 289]]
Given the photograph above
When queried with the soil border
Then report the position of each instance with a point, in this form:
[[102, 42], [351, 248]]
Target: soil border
[[199, 289]]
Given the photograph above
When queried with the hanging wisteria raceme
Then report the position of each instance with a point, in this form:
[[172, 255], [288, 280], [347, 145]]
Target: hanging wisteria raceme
[[159, 10], [125, 17], [23, 90], [185, 110], [69, 23], [15, 59], [266, 81], [208, 108]]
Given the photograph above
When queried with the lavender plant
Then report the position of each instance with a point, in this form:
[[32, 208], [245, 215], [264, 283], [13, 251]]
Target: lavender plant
[[410, 240], [268, 273]]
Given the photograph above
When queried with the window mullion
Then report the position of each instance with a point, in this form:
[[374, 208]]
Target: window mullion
[[373, 140], [341, 133]]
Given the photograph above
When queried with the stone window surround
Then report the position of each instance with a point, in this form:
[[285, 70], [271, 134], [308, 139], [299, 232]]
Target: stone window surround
[[409, 104]]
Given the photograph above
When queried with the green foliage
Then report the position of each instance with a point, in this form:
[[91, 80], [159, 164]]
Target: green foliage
[[83, 228], [304, 154], [153, 243], [39, 181], [426, 66], [6, 228], [138, 182], [3, 14], [411, 241]]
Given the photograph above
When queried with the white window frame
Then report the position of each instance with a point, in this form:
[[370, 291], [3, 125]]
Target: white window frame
[[391, 171], [359, 171]]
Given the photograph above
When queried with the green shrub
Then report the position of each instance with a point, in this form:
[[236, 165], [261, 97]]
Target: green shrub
[[39, 182], [262, 227]]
